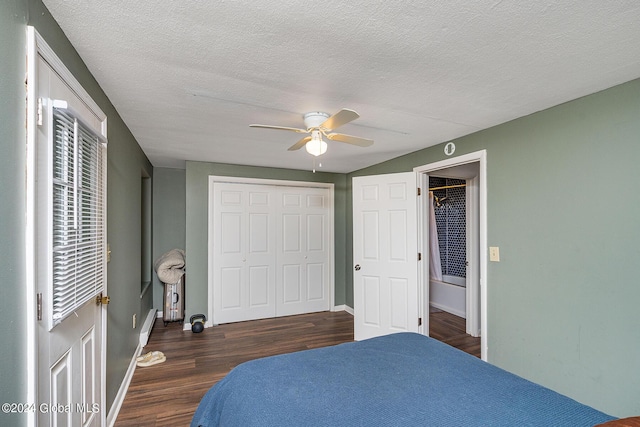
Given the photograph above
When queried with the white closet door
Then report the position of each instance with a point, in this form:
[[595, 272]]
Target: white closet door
[[244, 248], [270, 252], [302, 251]]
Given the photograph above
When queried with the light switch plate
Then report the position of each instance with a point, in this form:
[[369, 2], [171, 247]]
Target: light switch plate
[[494, 253]]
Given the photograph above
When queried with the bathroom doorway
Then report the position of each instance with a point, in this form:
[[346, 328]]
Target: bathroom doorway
[[447, 244], [457, 203], [449, 252]]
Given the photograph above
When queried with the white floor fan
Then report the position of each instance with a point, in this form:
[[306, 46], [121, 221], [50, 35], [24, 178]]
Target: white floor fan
[[319, 124]]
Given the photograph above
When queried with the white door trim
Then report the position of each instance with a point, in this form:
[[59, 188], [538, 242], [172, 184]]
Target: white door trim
[[31, 316], [473, 259], [278, 182], [422, 171]]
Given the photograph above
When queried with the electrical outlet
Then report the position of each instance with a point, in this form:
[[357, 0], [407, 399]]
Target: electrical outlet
[[134, 321], [494, 253]]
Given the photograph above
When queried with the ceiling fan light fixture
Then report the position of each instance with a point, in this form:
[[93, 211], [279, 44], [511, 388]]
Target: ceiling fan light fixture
[[316, 146], [318, 124]]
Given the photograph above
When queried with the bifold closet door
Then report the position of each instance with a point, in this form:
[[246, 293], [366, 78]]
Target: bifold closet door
[[244, 252], [270, 251], [302, 274]]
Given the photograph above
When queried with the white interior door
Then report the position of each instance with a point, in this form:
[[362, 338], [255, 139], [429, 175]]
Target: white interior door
[[385, 255], [70, 357]]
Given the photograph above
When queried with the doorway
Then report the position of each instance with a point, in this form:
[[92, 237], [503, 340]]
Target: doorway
[[467, 172], [450, 254], [447, 245], [383, 304]]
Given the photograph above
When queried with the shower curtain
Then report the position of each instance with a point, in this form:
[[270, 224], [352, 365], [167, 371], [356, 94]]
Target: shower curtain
[[435, 268]]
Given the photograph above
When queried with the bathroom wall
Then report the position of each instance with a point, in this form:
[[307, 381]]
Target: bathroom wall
[[451, 223]]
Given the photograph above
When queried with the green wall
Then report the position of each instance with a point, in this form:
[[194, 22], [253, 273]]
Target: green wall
[[197, 216], [126, 165], [563, 206], [13, 332], [169, 218]]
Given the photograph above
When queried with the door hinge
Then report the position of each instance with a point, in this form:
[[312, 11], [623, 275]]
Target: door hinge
[[102, 299], [419, 321], [419, 191], [39, 112], [39, 306], [419, 256]]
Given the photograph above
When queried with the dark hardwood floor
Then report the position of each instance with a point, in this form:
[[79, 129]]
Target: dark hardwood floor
[[168, 394], [451, 329]]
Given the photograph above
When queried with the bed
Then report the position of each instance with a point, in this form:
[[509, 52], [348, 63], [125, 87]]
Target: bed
[[402, 379]]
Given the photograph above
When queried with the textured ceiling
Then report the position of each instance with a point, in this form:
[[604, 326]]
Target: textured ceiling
[[188, 77]]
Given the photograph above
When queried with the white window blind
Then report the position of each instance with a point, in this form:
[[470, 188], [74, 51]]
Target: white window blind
[[78, 215]]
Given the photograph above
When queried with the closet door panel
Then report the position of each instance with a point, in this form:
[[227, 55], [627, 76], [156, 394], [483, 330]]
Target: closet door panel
[[291, 235], [231, 288], [316, 256], [291, 291], [258, 233], [315, 282], [243, 263], [259, 284]]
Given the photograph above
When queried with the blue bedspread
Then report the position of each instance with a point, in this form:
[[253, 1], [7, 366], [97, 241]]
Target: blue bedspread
[[396, 380]]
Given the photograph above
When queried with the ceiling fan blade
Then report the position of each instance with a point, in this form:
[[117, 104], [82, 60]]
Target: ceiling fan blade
[[340, 118], [279, 128], [349, 139], [298, 145]]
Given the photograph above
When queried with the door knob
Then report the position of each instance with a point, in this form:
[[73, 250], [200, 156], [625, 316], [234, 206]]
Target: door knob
[[357, 267]]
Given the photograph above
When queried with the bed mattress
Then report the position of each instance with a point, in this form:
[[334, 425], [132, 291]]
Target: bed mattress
[[401, 379]]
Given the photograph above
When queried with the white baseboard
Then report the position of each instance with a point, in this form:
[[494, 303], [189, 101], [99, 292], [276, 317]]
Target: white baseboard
[[159, 314], [343, 307], [122, 392], [145, 331], [449, 309], [187, 325]]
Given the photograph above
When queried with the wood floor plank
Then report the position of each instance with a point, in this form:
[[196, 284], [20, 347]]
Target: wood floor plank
[[168, 394]]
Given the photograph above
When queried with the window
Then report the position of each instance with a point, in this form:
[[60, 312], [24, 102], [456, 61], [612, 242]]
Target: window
[[78, 214]]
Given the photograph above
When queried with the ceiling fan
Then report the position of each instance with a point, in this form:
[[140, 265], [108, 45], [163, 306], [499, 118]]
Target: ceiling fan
[[320, 124]]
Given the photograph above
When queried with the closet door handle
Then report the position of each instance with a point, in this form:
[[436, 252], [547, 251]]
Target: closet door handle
[[357, 267]]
